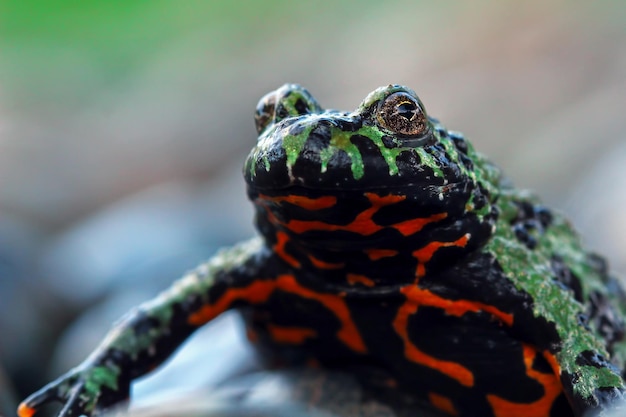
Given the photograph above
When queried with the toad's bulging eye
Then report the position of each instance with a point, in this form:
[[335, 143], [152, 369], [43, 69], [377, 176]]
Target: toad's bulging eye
[[290, 100], [264, 113], [403, 114]]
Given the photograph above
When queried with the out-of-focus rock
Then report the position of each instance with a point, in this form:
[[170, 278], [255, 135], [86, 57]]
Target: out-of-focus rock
[[8, 402], [150, 238], [22, 301], [295, 392]]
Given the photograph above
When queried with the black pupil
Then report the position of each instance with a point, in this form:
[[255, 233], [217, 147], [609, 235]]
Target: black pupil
[[407, 110]]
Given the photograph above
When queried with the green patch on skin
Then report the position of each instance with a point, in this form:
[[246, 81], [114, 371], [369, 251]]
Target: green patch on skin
[[428, 160], [530, 270], [482, 212], [293, 145], [102, 376], [134, 344], [484, 173], [202, 279], [289, 102], [342, 141]]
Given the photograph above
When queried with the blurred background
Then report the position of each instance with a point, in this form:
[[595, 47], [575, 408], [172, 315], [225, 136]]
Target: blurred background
[[124, 126]]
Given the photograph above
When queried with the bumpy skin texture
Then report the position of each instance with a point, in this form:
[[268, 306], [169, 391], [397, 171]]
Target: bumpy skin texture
[[388, 244]]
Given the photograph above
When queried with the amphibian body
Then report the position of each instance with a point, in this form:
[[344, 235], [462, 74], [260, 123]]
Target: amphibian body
[[388, 241]]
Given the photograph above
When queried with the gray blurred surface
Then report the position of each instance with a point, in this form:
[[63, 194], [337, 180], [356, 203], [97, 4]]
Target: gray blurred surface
[[298, 393], [7, 394]]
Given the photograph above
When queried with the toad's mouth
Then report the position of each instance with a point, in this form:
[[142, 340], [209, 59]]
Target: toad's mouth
[[314, 202], [371, 173], [302, 186]]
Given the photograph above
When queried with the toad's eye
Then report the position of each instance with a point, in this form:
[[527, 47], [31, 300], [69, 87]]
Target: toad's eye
[[265, 111], [290, 100], [404, 115]]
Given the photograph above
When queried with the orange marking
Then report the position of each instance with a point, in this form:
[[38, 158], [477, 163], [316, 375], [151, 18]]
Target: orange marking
[[425, 254], [255, 293], [455, 371], [360, 279], [376, 254], [410, 227], [362, 224], [25, 411], [442, 403], [348, 333], [421, 297], [291, 335], [306, 203], [540, 408], [324, 265], [417, 297], [259, 291], [279, 248]]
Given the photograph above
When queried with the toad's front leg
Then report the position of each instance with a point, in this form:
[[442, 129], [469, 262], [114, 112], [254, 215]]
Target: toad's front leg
[[147, 335]]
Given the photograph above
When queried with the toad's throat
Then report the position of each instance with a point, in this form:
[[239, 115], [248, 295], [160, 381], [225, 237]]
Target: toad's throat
[[363, 224]]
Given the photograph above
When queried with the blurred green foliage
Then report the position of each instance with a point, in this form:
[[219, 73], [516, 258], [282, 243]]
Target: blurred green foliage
[[69, 40], [96, 42]]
